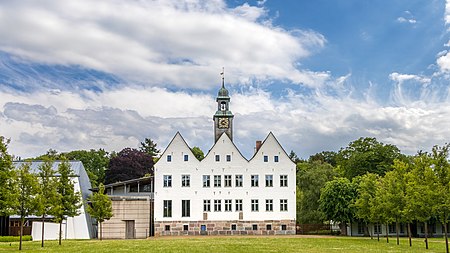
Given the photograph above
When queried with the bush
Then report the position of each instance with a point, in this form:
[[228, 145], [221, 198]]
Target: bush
[[15, 238]]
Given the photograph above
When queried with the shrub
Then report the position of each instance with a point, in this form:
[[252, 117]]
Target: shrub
[[15, 238]]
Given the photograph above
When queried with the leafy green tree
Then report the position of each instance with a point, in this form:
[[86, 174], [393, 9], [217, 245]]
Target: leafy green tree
[[366, 155], [68, 200], [441, 167], [325, 157], [393, 194], [149, 147], [336, 202], [100, 207], [293, 156], [47, 191], [198, 153], [311, 177], [8, 189], [421, 192], [94, 161], [366, 190], [28, 188]]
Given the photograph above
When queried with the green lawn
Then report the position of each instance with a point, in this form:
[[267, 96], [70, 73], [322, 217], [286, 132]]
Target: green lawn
[[232, 244]]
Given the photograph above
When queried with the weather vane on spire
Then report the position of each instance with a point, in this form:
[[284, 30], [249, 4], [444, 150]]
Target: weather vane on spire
[[223, 77]]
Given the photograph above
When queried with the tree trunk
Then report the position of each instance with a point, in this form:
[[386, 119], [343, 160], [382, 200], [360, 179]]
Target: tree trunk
[[21, 233], [343, 227], [378, 231], [351, 229], [60, 231], [409, 234], [426, 234], [101, 231], [396, 231], [43, 223], [446, 237], [387, 233]]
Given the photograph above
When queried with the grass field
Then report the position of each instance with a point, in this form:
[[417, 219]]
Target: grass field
[[232, 244]]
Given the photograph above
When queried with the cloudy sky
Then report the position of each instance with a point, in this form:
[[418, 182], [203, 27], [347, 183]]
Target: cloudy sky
[[318, 74]]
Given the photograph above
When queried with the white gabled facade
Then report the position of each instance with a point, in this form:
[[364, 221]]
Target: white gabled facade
[[224, 193]]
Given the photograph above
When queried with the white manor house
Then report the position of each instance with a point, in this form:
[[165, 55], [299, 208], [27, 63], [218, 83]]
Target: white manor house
[[225, 193]]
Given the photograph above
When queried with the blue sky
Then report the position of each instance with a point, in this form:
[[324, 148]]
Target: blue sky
[[318, 74]]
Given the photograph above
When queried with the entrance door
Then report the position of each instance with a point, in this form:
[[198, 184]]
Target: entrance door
[[129, 229]]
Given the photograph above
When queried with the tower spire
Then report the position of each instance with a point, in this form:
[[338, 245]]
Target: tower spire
[[223, 77]]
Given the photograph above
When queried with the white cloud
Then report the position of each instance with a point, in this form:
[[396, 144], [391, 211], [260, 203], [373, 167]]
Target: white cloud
[[157, 43], [404, 77], [406, 20], [447, 12]]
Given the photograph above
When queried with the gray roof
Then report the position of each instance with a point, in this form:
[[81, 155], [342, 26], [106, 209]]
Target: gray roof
[[77, 166]]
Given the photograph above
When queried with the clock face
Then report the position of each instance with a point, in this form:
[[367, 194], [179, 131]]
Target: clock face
[[223, 123]]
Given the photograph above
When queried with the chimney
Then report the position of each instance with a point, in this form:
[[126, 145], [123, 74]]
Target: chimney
[[258, 145]]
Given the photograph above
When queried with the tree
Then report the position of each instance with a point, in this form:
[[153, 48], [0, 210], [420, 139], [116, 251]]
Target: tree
[[28, 188], [47, 193], [336, 202], [100, 206], [198, 153], [325, 157], [366, 155], [149, 147], [94, 161], [421, 192], [8, 189], [311, 177], [129, 164], [67, 202], [441, 167], [293, 156], [365, 198]]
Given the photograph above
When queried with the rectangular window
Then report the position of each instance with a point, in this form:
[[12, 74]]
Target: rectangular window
[[255, 205], [217, 181], [283, 205], [167, 181], [228, 205], [206, 205], [377, 229], [269, 205], [361, 228], [275, 158], [391, 229], [255, 179], [169, 158], [217, 158], [185, 208], [238, 205], [283, 227], [269, 180], [167, 227], [185, 180], [283, 180], [206, 181], [217, 205], [269, 227], [186, 158], [233, 226], [266, 158], [227, 180], [228, 158], [185, 227], [254, 227], [239, 180], [167, 212]]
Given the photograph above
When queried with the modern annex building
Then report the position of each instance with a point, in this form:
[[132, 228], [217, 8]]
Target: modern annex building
[[225, 193]]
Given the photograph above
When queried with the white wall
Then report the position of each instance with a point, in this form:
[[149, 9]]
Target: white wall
[[196, 193]]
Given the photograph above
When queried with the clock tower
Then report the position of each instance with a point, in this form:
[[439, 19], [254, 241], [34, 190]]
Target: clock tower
[[223, 118]]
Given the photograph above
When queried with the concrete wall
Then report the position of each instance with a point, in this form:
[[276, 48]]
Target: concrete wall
[[128, 208]]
